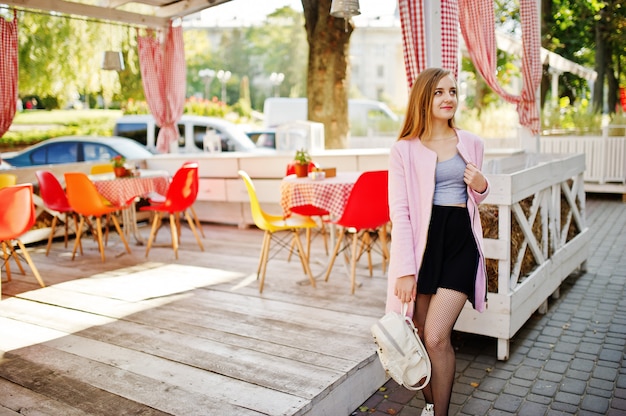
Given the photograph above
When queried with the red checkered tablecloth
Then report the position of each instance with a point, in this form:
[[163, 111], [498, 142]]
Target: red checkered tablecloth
[[330, 194], [119, 191]]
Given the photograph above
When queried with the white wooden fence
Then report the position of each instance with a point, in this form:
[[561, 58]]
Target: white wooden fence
[[605, 157], [544, 179]]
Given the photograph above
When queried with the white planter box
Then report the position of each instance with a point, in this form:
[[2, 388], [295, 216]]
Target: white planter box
[[544, 178]]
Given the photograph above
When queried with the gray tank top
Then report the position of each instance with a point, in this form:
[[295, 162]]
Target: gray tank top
[[449, 186]]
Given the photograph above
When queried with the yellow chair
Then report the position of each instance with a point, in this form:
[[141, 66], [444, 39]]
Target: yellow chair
[[101, 168], [272, 225], [7, 179]]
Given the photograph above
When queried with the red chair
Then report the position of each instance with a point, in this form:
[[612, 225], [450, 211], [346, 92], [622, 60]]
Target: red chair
[[195, 189], [310, 211], [181, 194], [366, 213], [55, 199], [159, 199], [17, 216], [85, 199]]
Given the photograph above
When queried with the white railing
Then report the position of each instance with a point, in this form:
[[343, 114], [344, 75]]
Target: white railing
[[605, 157], [545, 184]]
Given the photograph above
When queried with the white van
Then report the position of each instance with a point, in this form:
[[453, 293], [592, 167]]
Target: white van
[[365, 115], [192, 129]]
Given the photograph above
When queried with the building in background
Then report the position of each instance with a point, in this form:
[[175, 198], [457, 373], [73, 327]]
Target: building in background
[[376, 57]]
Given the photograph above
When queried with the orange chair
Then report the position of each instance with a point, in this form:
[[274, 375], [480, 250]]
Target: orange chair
[[55, 199], [371, 191], [85, 200], [181, 194], [17, 216]]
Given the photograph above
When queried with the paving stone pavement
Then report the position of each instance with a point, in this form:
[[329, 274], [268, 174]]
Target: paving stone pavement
[[569, 361]]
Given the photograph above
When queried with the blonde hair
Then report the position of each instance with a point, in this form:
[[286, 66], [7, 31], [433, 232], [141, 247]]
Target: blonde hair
[[418, 120]]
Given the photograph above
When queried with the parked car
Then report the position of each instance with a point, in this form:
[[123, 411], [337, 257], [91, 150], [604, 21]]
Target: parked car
[[192, 131], [70, 149], [263, 138]]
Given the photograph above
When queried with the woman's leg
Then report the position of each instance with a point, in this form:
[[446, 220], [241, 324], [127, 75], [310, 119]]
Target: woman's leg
[[443, 311], [419, 320]]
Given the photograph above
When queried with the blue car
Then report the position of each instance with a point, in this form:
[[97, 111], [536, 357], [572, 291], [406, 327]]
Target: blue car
[[72, 149]]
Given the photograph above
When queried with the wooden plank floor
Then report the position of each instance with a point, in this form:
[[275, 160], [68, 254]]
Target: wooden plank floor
[[186, 337]]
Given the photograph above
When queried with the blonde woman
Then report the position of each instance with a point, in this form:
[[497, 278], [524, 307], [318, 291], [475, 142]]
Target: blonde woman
[[437, 262]]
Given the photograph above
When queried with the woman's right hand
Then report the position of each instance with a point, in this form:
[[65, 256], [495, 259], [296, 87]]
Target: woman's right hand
[[406, 288]]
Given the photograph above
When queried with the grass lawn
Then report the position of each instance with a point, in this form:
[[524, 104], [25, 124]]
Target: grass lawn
[[32, 126]]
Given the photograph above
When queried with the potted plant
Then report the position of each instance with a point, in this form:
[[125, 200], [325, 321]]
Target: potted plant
[[302, 160], [119, 167]]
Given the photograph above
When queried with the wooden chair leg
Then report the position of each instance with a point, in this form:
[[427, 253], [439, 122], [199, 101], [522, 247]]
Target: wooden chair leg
[[51, 236], [78, 234], [174, 230], [66, 237], [16, 258], [334, 254], [155, 225], [99, 237], [121, 233], [76, 222], [193, 229], [355, 242], [197, 220], [267, 241], [303, 257], [30, 263], [7, 255]]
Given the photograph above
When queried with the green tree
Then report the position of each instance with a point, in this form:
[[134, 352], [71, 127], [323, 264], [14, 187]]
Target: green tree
[[590, 33], [278, 45], [198, 55]]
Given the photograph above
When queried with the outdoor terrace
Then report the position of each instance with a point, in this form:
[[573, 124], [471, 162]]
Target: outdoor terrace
[[159, 336]]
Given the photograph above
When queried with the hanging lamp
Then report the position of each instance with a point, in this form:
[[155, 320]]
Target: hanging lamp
[[112, 61], [345, 9]]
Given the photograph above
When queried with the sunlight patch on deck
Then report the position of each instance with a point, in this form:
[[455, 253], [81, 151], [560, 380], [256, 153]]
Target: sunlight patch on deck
[[44, 314], [154, 282]]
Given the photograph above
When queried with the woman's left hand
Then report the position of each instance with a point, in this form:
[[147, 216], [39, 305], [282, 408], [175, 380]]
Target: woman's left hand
[[474, 178]]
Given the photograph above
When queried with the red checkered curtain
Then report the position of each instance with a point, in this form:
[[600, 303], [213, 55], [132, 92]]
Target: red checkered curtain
[[478, 29], [450, 36], [414, 37], [8, 72], [163, 74], [413, 43]]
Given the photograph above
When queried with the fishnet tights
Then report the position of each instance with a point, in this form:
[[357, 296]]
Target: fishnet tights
[[435, 316]]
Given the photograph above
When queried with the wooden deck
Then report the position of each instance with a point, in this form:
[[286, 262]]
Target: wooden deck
[[189, 336]]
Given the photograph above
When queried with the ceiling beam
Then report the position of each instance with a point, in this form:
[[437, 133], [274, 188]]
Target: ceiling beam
[[95, 12], [187, 7]]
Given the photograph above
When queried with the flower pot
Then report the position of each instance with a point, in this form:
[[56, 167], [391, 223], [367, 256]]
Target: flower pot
[[120, 172], [302, 170]]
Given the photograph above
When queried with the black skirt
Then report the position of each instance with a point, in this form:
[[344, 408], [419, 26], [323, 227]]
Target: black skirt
[[451, 255]]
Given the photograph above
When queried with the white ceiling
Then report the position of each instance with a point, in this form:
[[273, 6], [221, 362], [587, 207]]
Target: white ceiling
[[150, 13]]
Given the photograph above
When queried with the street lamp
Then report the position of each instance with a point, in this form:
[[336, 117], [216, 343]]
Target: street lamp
[[223, 76], [207, 76], [277, 78]]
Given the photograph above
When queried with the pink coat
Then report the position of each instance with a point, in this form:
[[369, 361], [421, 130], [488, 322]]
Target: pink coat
[[411, 189]]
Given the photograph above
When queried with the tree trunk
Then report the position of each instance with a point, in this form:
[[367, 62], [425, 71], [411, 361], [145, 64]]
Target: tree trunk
[[601, 62], [612, 85], [328, 80], [546, 20]]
